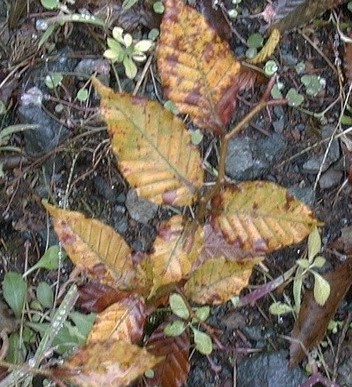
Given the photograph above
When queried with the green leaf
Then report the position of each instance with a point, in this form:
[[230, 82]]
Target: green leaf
[[127, 4], [279, 308], [178, 306], [346, 120], [202, 341], [158, 7], [53, 80], [270, 68], [45, 295], [16, 353], [314, 244], [319, 262], [51, 260], [276, 91], [255, 40], [14, 289], [175, 328], [303, 263], [130, 67], [294, 98], [50, 4], [82, 94], [202, 313], [321, 289], [171, 107], [2, 107], [297, 289], [83, 322], [196, 136]]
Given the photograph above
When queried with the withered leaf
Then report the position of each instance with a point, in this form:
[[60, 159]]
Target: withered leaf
[[106, 364], [96, 297], [88, 242], [313, 319], [217, 280], [295, 13], [123, 320], [174, 253], [173, 370], [198, 69], [153, 147], [261, 216]]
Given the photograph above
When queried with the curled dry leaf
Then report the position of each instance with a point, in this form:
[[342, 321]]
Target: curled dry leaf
[[198, 69], [106, 364], [96, 297], [175, 250], [154, 149], [173, 370], [89, 243], [261, 216], [123, 320], [295, 13], [268, 48], [313, 319], [217, 280]]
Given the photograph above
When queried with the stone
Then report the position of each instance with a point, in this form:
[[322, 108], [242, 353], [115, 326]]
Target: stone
[[250, 158], [141, 210]]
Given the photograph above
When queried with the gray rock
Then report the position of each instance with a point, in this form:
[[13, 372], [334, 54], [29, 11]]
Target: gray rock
[[140, 210], [314, 164], [87, 67], [330, 178], [304, 194], [268, 369], [248, 158]]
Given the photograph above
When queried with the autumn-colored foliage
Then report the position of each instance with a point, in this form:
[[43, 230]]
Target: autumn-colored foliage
[[207, 260]]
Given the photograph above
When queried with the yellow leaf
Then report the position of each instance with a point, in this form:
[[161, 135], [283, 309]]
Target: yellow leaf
[[268, 48], [89, 242], [262, 216], [153, 147], [174, 253], [123, 320], [198, 69], [217, 280], [106, 364]]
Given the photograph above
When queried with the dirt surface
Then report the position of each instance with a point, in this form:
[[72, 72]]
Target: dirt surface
[[69, 162]]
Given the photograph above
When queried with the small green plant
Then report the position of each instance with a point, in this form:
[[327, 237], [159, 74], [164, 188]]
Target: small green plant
[[306, 266], [314, 84], [59, 328], [254, 42], [187, 318], [123, 49]]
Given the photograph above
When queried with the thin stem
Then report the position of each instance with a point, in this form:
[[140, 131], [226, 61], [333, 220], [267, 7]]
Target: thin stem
[[202, 209]]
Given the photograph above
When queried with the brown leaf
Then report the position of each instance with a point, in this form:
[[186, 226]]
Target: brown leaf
[[215, 17], [96, 297], [154, 149], [347, 62], [261, 216], [106, 364], [123, 320], [198, 69], [295, 13], [89, 242], [173, 370], [313, 319], [215, 245], [217, 280]]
